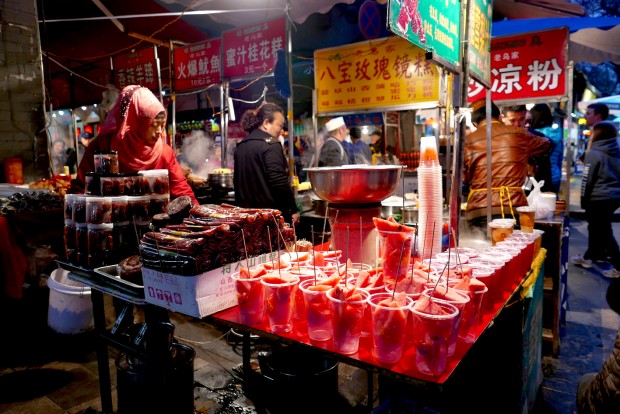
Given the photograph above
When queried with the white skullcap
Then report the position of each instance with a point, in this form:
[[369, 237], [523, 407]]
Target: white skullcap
[[334, 123]]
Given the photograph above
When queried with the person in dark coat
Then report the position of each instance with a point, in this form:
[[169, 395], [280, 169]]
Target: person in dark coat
[[333, 152], [600, 198], [261, 177]]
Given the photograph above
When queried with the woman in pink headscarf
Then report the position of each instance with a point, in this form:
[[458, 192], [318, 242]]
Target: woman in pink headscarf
[[136, 129]]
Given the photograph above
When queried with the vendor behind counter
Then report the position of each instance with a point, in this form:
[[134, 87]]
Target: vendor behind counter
[[136, 129]]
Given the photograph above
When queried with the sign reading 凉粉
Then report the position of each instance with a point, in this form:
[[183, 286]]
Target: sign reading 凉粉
[[479, 51], [197, 65], [253, 49], [433, 25], [527, 67], [388, 73]]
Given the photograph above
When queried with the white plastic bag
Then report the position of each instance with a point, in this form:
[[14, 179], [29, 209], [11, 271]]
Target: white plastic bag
[[534, 199]]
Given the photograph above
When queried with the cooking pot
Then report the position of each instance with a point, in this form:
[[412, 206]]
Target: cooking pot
[[221, 181]]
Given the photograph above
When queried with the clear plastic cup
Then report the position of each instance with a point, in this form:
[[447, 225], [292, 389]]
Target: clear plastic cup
[[395, 253], [250, 298], [526, 218], [470, 316], [389, 322], [347, 320], [500, 230], [431, 336], [453, 297], [279, 297], [318, 313]]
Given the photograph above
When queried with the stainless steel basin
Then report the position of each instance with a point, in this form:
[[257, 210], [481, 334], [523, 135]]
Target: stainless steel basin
[[353, 184]]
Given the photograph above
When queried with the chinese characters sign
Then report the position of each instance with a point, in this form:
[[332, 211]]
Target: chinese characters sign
[[529, 66], [197, 65], [479, 54], [253, 49], [433, 25], [137, 68], [374, 74]]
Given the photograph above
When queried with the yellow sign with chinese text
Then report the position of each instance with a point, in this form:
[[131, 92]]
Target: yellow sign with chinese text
[[383, 73]]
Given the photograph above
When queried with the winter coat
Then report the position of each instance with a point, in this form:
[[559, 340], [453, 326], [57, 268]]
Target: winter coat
[[261, 177], [601, 174], [333, 154], [511, 148], [603, 394]]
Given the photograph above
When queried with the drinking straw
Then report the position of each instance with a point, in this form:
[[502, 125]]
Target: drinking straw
[[313, 257], [296, 253], [245, 251], [346, 263], [270, 248], [361, 241], [324, 223], [402, 248]]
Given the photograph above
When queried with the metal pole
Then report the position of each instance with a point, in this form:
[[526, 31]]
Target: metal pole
[[161, 96], [173, 97], [291, 114], [224, 91], [569, 148]]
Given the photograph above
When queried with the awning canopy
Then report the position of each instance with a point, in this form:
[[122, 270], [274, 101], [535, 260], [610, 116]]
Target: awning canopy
[[612, 102]]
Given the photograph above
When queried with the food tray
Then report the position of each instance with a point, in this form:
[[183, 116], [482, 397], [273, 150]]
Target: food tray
[[106, 280]]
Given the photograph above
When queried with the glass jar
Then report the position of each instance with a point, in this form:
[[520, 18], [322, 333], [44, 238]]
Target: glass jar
[[78, 211], [106, 162], [100, 245], [158, 204], [138, 209], [112, 185], [119, 209], [155, 182], [98, 210], [81, 244], [92, 184]]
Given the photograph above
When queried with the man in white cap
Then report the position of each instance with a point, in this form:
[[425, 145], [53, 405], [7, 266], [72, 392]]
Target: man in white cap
[[333, 153]]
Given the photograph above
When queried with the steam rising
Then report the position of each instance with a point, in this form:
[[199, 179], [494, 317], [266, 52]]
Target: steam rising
[[201, 153]]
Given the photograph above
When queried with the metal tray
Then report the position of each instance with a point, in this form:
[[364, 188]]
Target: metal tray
[[106, 280]]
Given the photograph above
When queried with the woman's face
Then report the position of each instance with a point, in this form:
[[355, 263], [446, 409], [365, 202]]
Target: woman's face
[[275, 127], [155, 131]]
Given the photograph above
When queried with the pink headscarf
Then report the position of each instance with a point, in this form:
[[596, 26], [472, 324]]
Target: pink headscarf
[[128, 122]]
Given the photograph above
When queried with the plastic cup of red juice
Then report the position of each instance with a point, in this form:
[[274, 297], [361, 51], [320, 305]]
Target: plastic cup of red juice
[[279, 296], [432, 329], [389, 322]]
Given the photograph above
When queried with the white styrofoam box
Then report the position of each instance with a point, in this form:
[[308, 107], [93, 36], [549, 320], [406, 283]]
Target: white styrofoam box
[[198, 295]]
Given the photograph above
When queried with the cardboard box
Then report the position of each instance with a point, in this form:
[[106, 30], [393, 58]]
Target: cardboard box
[[198, 295]]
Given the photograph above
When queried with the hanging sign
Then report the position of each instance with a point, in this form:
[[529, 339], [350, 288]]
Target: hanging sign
[[433, 25], [479, 55], [197, 65], [139, 68], [383, 73], [526, 67], [252, 50]]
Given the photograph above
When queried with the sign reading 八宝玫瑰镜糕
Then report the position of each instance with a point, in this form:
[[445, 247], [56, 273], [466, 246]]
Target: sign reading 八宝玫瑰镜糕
[[527, 67], [433, 25], [387, 73], [479, 51]]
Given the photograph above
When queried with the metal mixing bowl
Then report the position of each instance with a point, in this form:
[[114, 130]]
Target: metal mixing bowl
[[355, 183]]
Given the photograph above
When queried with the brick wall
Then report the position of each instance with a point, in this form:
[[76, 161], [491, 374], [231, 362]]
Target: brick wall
[[21, 90]]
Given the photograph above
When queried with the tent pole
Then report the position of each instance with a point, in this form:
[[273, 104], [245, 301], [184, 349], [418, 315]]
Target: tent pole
[[569, 127], [291, 113]]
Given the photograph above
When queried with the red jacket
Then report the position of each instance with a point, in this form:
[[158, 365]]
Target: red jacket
[[167, 161]]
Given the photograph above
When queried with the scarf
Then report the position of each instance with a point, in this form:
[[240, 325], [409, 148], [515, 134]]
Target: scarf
[[127, 124]]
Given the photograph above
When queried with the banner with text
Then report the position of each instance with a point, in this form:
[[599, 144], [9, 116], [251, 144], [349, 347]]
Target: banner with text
[[139, 68], [433, 25], [530, 66], [480, 40], [380, 73], [197, 65], [253, 50]]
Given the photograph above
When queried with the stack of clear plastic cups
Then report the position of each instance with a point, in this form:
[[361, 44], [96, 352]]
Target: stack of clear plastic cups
[[430, 196], [521, 245], [485, 274], [514, 269], [502, 261], [495, 294]]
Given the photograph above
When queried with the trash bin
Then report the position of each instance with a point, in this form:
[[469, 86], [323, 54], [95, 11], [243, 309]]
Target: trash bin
[[70, 308]]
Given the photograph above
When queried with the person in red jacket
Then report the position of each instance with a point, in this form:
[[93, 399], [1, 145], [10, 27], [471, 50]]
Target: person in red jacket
[[136, 129]]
